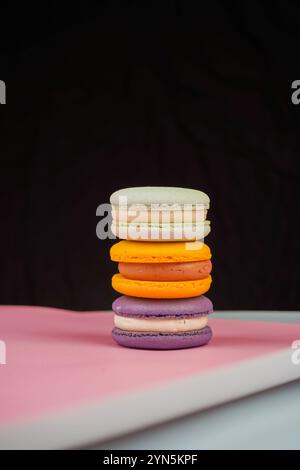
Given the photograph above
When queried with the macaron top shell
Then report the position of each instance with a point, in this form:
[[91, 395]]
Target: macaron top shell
[[137, 307], [159, 252], [148, 195]]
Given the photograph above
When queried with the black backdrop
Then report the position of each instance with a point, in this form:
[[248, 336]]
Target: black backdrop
[[113, 96]]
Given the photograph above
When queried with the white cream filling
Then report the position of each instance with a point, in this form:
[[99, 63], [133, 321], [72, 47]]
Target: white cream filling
[[162, 325], [147, 215], [152, 232]]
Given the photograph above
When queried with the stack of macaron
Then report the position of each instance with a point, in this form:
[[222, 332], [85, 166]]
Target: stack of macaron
[[164, 268]]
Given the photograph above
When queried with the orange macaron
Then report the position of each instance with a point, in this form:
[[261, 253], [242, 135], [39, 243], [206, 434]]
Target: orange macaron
[[162, 269]]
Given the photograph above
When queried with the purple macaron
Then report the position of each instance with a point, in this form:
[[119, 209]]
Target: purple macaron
[[162, 308]]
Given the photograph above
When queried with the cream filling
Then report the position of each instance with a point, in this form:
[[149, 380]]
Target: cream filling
[[148, 215], [143, 231], [162, 325]]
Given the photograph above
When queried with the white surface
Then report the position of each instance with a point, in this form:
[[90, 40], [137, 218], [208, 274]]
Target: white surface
[[267, 420]]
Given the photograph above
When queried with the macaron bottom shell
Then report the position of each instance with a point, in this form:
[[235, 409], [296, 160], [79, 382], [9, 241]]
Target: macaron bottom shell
[[160, 289], [143, 340]]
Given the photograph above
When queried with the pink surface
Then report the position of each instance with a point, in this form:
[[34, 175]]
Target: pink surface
[[57, 358]]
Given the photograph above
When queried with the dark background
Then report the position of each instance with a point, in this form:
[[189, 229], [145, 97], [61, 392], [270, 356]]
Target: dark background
[[118, 95]]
